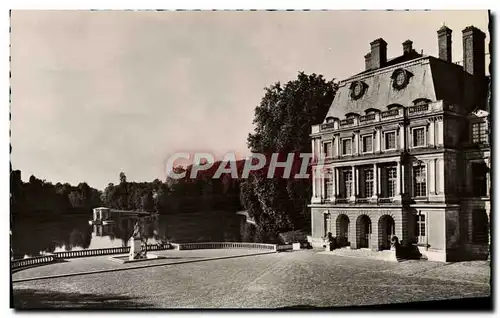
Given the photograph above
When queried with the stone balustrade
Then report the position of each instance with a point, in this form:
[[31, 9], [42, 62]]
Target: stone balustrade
[[347, 122], [410, 111], [20, 263], [418, 109], [366, 118], [51, 258], [226, 245]]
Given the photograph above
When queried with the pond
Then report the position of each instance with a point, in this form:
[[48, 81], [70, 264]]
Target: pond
[[32, 236]]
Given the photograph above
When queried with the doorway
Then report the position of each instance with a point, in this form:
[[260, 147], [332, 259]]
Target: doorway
[[387, 230]]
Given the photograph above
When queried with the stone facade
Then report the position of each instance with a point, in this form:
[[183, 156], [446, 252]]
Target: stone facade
[[405, 150]]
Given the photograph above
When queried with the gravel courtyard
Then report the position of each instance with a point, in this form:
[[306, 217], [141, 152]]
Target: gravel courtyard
[[299, 278]]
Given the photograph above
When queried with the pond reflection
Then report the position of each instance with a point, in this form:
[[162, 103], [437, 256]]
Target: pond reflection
[[40, 235]]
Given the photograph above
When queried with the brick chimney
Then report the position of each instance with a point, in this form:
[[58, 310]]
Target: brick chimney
[[474, 59], [407, 47], [368, 61], [444, 43], [378, 53]]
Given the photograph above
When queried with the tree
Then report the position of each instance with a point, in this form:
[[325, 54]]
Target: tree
[[282, 125]]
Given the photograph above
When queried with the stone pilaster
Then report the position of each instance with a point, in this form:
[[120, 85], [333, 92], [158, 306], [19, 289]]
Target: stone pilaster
[[376, 189], [353, 184], [399, 181]]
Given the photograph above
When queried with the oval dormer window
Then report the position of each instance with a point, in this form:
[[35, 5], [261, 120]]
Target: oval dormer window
[[357, 89]]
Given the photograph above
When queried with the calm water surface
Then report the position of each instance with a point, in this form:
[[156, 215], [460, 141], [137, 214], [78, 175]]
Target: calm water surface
[[35, 236]]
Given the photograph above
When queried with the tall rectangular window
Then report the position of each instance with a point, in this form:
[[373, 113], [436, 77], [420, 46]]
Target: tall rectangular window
[[392, 179], [328, 149], [479, 133], [479, 179], [390, 140], [346, 146], [348, 183], [367, 143], [328, 184], [419, 137], [419, 181], [368, 182], [420, 228]]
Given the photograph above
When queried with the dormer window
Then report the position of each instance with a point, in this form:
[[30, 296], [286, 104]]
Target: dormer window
[[371, 111], [330, 120], [400, 79], [421, 101], [357, 89], [351, 115], [394, 106]]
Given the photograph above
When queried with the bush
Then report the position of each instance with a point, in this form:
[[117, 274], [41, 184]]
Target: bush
[[247, 233], [298, 236]]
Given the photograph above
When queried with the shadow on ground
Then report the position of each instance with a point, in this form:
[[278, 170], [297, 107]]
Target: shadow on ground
[[41, 299], [471, 304]]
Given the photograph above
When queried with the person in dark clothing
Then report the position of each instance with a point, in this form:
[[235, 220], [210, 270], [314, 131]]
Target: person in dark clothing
[[331, 241]]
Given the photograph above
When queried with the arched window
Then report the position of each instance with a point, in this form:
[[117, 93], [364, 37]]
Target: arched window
[[421, 101]]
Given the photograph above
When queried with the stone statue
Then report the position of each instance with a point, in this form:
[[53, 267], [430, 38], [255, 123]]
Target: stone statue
[[136, 241]]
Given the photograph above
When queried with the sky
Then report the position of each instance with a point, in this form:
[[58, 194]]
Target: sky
[[97, 93]]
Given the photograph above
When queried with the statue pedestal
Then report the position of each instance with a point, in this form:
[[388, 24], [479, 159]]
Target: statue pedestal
[[135, 248]]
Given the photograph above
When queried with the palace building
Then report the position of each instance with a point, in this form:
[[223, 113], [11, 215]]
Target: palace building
[[406, 148]]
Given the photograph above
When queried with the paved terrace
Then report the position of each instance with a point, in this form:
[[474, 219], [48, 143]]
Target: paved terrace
[[245, 279]]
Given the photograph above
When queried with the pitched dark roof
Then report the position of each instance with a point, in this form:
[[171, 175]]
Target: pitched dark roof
[[431, 78], [400, 59]]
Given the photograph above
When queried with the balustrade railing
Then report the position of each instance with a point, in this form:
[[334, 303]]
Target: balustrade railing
[[32, 261], [384, 115], [327, 126], [219, 245], [107, 251], [365, 200], [16, 264], [367, 117], [345, 122], [389, 113], [418, 109]]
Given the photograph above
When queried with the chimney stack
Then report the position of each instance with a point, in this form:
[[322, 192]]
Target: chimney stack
[[368, 61], [407, 47], [444, 43], [378, 53], [474, 51]]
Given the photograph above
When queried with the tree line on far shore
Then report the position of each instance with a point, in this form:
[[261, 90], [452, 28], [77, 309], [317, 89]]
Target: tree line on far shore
[[204, 193]]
